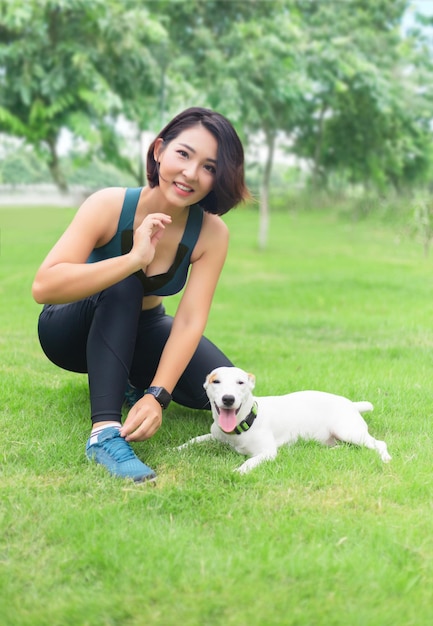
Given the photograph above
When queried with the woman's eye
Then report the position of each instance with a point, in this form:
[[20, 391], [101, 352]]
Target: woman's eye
[[182, 153], [210, 168]]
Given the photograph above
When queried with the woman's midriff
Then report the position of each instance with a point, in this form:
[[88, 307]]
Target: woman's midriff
[[150, 302]]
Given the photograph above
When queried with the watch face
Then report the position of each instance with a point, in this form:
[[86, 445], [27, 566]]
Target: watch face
[[161, 394]]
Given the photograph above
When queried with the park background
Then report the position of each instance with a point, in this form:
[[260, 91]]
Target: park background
[[328, 284], [330, 96]]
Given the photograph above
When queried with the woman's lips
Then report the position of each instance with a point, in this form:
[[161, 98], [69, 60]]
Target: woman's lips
[[184, 189]]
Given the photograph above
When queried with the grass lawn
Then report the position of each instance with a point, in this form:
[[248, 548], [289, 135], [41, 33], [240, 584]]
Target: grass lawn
[[317, 537]]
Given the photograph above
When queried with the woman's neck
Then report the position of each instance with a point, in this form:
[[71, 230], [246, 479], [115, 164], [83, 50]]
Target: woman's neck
[[153, 201]]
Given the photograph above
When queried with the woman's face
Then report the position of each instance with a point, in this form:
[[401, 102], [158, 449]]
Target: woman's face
[[187, 165]]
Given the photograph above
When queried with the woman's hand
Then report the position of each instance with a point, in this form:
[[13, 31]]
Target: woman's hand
[[143, 420], [147, 236], [65, 276]]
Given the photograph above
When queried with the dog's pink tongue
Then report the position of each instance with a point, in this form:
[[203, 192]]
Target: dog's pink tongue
[[227, 420]]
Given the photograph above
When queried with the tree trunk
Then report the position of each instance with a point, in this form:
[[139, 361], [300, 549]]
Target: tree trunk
[[54, 167], [318, 147], [264, 193], [141, 157]]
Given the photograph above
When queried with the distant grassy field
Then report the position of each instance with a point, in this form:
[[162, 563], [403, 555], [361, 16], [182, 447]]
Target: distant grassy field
[[320, 536]]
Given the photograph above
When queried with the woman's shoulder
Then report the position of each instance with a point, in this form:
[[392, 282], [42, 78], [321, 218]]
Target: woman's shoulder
[[214, 226], [215, 232], [214, 237], [100, 212], [105, 197]]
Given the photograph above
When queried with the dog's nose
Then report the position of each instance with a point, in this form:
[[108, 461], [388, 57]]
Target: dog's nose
[[228, 400]]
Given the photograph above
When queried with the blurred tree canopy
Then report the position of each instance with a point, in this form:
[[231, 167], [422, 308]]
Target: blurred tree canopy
[[338, 79], [72, 64], [367, 114]]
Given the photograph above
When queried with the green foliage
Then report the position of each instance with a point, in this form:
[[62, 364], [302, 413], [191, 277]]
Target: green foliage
[[319, 536], [340, 80], [76, 62], [20, 166], [366, 114]]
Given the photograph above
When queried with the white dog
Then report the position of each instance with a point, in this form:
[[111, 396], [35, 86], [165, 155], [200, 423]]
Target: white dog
[[258, 426]]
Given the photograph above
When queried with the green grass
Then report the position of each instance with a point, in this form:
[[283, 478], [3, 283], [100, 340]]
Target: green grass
[[317, 537]]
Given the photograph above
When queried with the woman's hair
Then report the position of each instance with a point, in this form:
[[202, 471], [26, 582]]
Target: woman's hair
[[229, 187]]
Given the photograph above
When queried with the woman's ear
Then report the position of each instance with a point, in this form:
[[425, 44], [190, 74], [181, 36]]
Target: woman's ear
[[157, 150]]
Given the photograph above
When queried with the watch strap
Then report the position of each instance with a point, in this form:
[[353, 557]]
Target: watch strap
[[161, 395]]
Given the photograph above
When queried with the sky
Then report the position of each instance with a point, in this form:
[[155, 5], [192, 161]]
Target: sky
[[417, 6]]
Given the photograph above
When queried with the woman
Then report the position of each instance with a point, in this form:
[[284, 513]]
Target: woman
[[104, 280]]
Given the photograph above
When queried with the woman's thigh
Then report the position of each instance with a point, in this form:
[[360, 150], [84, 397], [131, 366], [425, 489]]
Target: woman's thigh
[[63, 331]]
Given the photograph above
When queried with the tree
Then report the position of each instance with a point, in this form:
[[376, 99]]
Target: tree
[[364, 113], [328, 80], [75, 61], [265, 61], [243, 59]]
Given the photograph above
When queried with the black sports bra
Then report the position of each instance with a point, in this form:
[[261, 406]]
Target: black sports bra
[[174, 279]]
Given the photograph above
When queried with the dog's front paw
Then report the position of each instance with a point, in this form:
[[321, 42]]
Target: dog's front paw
[[199, 439], [183, 446], [246, 467], [252, 462]]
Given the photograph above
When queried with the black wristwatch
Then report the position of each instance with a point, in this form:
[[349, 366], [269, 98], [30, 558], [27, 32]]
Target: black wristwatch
[[161, 394]]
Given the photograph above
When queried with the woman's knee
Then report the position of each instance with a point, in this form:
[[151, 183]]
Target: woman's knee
[[62, 331], [126, 292]]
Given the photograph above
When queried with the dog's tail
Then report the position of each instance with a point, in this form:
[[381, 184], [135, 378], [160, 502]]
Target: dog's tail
[[363, 406]]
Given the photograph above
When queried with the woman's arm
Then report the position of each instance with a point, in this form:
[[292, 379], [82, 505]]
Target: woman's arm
[[64, 275], [190, 320]]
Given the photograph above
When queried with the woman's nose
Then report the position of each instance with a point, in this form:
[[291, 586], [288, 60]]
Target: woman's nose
[[190, 171]]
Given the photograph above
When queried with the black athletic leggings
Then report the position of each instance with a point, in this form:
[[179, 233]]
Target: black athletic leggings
[[111, 339]]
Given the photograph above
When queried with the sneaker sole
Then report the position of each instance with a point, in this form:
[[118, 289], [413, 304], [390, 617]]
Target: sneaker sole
[[143, 479]]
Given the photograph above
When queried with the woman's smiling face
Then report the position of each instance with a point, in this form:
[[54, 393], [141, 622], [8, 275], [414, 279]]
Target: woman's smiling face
[[187, 165]]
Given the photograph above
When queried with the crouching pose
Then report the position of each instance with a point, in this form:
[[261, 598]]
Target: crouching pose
[[103, 283]]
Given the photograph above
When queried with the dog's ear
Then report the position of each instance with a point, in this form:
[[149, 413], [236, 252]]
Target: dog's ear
[[251, 381], [209, 378]]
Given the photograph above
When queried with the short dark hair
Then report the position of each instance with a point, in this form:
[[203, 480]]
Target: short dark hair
[[229, 187]]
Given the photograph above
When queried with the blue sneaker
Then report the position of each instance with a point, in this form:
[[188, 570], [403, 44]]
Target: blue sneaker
[[132, 395], [111, 450]]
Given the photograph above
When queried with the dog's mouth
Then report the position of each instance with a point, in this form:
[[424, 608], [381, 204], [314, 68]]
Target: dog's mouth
[[227, 418]]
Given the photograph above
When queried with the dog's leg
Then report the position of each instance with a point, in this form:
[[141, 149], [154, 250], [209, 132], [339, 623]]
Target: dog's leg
[[361, 437], [256, 460], [199, 439], [379, 446]]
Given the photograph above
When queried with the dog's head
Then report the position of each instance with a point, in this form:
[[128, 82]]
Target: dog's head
[[229, 390]]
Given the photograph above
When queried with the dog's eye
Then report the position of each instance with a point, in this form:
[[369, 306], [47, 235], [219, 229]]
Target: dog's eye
[[216, 381], [241, 382]]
